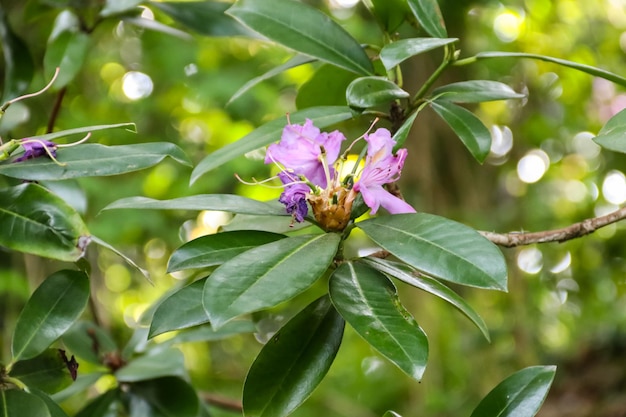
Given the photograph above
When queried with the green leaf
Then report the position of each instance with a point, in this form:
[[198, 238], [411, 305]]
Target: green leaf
[[54, 409], [401, 134], [588, 69], [106, 405], [432, 286], [267, 275], [83, 382], [95, 160], [67, 51], [519, 395], [367, 92], [612, 136], [391, 414], [394, 53], [207, 334], [156, 26], [163, 397], [369, 302], [168, 362], [224, 202], [441, 248], [295, 61], [112, 7], [41, 223], [205, 17], [47, 372], [14, 403], [273, 224], [429, 17], [469, 128], [390, 13], [303, 29], [333, 81], [181, 310], [89, 342], [268, 133], [216, 249], [126, 259], [18, 64], [293, 362], [475, 91], [131, 127], [52, 309]]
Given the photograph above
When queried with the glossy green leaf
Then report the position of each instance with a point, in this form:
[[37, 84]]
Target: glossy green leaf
[[403, 132], [369, 302], [168, 362], [268, 133], [17, 403], [83, 382], [295, 61], [293, 362], [367, 92], [475, 91], [224, 202], [181, 310], [519, 395], [469, 128], [267, 275], [208, 334], [163, 397], [303, 29], [430, 285], [389, 13], [394, 53], [89, 342], [67, 52], [52, 309], [131, 127], [38, 222], [95, 160], [612, 136], [205, 17], [440, 248], [53, 408], [218, 248], [597, 72], [332, 80], [106, 405], [18, 64], [112, 7], [429, 17], [47, 372]]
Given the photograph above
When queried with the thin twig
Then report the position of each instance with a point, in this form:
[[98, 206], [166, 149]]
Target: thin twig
[[576, 230], [55, 110], [222, 402]]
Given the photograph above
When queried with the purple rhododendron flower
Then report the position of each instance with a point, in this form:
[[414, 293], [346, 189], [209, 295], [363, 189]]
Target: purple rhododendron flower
[[36, 148], [382, 167], [294, 196], [300, 151]]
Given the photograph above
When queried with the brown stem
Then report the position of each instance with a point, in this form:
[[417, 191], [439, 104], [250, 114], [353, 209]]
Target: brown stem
[[55, 110], [222, 402]]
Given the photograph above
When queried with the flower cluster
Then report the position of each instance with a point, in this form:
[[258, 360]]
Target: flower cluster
[[311, 173]]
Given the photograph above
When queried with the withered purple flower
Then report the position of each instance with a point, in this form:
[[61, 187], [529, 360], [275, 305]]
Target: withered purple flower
[[36, 148]]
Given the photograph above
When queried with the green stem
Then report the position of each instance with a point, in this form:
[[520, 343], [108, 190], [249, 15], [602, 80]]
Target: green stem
[[8, 148], [448, 59], [16, 382]]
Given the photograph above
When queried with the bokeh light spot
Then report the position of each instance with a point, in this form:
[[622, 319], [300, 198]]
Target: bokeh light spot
[[137, 85], [508, 25], [530, 260], [533, 166], [614, 187]]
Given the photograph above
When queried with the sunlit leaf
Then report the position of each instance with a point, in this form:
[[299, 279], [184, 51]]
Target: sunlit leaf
[[367, 92], [332, 80], [168, 362], [112, 7], [267, 275], [15, 402], [18, 64], [47, 371], [303, 29], [268, 133], [469, 128], [52, 309], [391, 414], [163, 397], [95, 160], [430, 285], [218, 248], [181, 310], [38, 222], [396, 52], [368, 301], [207, 334], [475, 91], [440, 248], [156, 26], [429, 17], [205, 17], [295, 61], [519, 395], [66, 51], [612, 136], [293, 362]]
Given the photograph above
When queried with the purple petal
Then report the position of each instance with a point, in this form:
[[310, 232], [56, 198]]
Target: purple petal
[[35, 149]]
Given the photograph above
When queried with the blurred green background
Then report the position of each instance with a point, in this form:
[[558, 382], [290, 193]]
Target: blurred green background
[[566, 303]]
